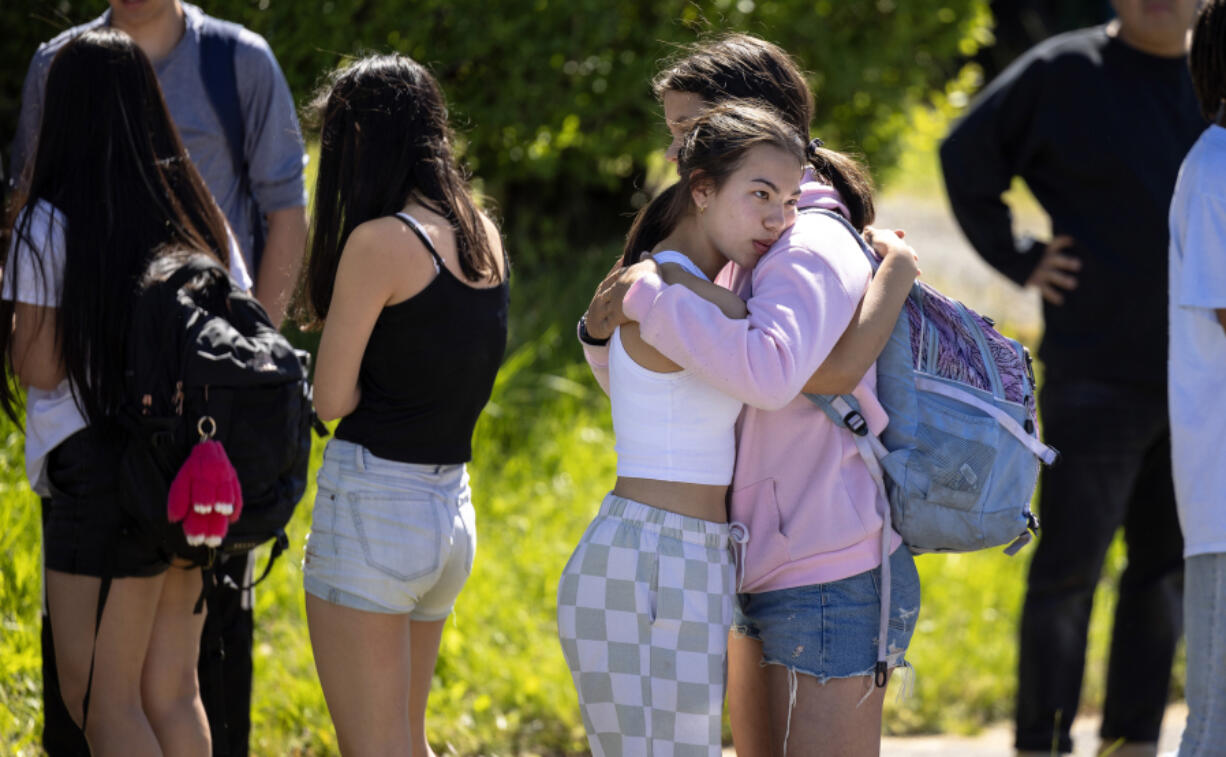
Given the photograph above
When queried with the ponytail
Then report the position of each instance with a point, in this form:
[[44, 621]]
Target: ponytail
[[849, 177], [654, 222]]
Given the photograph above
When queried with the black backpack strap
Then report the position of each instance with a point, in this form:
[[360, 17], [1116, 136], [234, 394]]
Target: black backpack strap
[[191, 268], [217, 46], [104, 589], [218, 43], [420, 231], [280, 543]]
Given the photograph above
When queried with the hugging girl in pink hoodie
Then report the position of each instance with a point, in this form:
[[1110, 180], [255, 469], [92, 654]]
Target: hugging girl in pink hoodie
[[809, 564]]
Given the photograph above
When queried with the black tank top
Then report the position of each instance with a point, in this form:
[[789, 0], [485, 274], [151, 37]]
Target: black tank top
[[429, 368]]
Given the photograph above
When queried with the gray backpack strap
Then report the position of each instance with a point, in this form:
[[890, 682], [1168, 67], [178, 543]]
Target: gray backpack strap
[[873, 259], [844, 411]]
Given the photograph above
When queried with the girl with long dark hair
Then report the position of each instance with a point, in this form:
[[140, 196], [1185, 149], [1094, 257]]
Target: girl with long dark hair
[[409, 279], [110, 189], [810, 604], [645, 601]]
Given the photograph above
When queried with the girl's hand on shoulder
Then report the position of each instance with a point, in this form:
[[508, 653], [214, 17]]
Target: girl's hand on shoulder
[[890, 246], [604, 313]]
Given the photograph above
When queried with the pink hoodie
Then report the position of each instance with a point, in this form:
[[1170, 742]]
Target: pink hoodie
[[810, 505]]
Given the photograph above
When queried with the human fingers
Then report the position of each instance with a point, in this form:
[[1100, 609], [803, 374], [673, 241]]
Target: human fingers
[[1051, 294], [1059, 279], [870, 231], [886, 244], [1060, 242], [1063, 262], [599, 318]]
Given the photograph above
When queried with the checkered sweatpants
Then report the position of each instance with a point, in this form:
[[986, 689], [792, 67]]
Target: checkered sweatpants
[[644, 607]]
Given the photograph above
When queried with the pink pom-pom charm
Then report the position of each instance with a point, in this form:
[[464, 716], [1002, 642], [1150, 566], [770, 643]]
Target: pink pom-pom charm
[[205, 495]]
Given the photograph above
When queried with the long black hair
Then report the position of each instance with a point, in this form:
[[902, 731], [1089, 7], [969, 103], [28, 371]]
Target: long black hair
[[384, 137], [1207, 59], [715, 145], [744, 67], [110, 161]]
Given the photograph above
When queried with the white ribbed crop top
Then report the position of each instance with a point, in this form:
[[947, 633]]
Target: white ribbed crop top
[[670, 426]]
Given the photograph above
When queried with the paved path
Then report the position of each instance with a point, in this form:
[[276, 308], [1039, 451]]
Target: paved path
[[949, 264], [997, 740]]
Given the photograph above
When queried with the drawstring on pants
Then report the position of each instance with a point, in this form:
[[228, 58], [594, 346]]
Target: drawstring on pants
[[738, 533]]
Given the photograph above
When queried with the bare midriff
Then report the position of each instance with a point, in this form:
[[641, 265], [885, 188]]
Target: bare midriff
[[702, 501]]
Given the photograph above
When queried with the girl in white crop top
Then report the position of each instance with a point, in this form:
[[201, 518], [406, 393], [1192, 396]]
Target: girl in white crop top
[[646, 600]]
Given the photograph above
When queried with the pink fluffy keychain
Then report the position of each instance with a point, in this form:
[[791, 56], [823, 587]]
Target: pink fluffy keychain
[[205, 494]]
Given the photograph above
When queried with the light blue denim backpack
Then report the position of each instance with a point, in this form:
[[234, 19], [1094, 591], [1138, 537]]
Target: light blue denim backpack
[[960, 457]]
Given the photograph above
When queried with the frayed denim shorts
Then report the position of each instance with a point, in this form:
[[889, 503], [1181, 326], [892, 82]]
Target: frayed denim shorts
[[389, 537], [830, 630]]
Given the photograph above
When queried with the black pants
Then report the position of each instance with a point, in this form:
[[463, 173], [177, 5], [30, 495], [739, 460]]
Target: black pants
[[1115, 470], [225, 675]]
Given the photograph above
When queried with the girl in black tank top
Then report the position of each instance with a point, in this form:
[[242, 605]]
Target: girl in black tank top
[[409, 282]]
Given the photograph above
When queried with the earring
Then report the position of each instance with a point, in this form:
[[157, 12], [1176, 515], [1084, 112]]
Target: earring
[[702, 209]]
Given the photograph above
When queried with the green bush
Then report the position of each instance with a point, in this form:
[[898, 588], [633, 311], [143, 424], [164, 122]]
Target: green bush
[[553, 98]]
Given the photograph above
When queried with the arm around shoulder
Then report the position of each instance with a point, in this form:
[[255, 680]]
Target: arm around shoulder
[[727, 301], [798, 310]]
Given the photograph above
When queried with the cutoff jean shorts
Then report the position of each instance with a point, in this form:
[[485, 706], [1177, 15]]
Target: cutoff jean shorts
[[389, 537], [830, 630]]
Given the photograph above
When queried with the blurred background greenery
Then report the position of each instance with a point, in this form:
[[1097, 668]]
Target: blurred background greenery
[[552, 96], [554, 109]]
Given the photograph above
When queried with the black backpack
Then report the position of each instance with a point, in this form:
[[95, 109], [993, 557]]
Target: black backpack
[[200, 350]]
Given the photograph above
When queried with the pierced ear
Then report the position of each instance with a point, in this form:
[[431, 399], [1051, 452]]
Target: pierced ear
[[702, 190]]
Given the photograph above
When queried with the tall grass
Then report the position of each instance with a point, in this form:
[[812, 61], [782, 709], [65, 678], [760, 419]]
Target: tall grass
[[542, 460]]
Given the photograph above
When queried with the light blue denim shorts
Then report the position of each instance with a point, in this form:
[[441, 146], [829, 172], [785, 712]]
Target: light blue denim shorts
[[389, 537], [830, 630]]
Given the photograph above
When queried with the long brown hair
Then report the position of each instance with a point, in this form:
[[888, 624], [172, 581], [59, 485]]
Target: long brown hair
[[384, 137], [715, 145], [744, 67]]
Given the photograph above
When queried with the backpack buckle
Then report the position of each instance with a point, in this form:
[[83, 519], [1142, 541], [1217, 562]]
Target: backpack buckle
[[855, 423]]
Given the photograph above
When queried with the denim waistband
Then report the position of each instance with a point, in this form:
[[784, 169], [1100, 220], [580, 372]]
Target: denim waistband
[[666, 523], [357, 458]]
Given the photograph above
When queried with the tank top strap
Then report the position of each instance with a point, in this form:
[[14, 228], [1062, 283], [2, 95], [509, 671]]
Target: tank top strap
[[416, 227]]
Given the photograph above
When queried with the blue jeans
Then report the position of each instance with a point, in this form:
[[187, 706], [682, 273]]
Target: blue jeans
[[830, 630], [1204, 615], [1114, 471]]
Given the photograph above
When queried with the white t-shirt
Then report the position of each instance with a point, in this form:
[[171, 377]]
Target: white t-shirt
[[53, 416], [1197, 368]]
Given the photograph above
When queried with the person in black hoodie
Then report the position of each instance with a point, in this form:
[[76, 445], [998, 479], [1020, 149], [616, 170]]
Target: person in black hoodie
[[1097, 122]]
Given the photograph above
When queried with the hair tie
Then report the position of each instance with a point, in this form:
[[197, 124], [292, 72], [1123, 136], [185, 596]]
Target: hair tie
[[814, 145]]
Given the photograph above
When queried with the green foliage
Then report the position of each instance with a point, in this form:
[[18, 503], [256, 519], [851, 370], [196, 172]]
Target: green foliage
[[553, 97], [543, 458]]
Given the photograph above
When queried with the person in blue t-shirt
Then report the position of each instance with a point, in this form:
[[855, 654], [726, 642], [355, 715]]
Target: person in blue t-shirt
[[1197, 374], [263, 196]]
